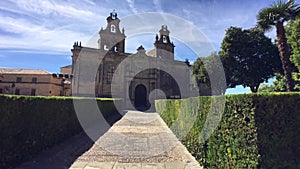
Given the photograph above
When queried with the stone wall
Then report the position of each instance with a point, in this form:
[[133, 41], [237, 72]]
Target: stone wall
[[32, 84]]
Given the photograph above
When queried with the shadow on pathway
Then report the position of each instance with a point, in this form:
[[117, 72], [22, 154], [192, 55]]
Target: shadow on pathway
[[63, 155], [138, 141]]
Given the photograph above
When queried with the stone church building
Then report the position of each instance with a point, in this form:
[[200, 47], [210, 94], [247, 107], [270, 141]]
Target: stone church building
[[138, 78], [109, 71]]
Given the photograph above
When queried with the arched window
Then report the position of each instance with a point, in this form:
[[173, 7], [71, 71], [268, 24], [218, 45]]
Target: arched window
[[164, 39], [113, 28], [105, 47]]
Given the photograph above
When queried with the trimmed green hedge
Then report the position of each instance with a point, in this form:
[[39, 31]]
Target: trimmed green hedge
[[30, 125], [256, 130]]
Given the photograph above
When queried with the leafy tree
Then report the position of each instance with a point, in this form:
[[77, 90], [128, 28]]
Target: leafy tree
[[267, 88], [207, 70], [276, 15], [249, 57], [279, 85], [293, 37]]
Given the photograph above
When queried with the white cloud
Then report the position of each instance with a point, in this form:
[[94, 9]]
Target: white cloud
[[7, 8], [31, 36], [157, 5], [55, 25], [131, 5], [91, 2], [46, 7], [47, 25]]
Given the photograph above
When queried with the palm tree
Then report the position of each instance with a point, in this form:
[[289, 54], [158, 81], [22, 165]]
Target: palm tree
[[276, 15]]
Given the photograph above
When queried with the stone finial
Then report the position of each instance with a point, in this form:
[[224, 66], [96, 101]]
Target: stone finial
[[113, 15], [141, 50], [187, 62]]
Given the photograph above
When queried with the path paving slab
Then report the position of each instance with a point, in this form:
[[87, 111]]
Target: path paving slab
[[139, 140]]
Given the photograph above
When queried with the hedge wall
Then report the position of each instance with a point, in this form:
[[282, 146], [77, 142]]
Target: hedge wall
[[256, 130], [30, 125]]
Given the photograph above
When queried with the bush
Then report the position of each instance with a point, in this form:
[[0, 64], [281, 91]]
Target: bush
[[30, 125], [256, 130]]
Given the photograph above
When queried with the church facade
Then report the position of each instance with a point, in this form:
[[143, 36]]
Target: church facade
[[138, 78]]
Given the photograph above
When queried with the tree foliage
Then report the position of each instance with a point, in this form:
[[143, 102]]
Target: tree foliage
[[279, 85], [249, 57], [293, 36], [276, 15], [209, 75]]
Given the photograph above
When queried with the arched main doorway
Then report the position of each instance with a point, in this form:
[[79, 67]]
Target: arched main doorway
[[140, 97]]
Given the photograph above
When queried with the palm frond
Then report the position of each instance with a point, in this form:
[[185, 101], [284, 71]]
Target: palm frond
[[265, 20], [277, 4], [295, 12], [279, 11]]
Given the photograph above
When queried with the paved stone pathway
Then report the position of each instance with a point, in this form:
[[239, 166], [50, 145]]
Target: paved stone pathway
[[138, 141]]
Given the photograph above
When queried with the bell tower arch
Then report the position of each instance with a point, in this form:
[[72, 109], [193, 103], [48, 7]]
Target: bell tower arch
[[164, 48], [112, 38]]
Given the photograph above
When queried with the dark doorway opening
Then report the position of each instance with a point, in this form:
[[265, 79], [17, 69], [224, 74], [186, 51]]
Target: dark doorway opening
[[140, 98]]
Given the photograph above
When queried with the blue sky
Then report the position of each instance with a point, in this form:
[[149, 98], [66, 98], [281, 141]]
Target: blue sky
[[39, 34]]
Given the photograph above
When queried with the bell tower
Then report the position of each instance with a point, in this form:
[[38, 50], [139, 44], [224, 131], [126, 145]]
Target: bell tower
[[164, 48], [111, 38]]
